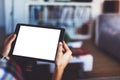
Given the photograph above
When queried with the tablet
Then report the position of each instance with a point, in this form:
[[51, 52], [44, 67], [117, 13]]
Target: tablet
[[38, 42]]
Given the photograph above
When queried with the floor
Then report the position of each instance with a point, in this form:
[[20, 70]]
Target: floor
[[103, 78], [104, 65]]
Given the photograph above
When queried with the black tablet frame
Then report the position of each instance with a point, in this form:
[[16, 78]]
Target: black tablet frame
[[61, 37]]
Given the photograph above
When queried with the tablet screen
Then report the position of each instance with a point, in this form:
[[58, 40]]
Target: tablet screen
[[37, 42]]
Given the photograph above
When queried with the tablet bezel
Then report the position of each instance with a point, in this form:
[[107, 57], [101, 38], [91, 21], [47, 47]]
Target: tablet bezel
[[61, 37]]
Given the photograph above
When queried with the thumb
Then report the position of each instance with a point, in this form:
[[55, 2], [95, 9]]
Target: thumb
[[60, 48]]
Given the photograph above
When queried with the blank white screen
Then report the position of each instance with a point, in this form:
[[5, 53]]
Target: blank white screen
[[36, 42]]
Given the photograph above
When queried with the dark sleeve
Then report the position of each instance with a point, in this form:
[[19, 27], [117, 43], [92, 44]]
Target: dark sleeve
[[11, 67]]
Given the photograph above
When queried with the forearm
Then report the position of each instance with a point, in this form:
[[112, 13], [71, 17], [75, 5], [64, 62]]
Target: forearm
[[58, 72]]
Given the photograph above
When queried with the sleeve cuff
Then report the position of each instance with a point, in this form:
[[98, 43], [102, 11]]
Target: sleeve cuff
[[2, 58]]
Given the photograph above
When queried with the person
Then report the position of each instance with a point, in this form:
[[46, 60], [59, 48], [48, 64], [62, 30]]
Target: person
[[9, 70]]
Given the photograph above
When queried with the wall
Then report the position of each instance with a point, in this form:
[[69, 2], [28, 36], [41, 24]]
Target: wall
[[2, 23], [2, 18]]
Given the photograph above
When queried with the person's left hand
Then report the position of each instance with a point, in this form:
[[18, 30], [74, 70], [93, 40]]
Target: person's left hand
[[64, 55], [7, 45]]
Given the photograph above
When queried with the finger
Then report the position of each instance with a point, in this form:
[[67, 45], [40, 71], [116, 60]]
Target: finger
[[8, 38], [65, 46], [60, 48], [12, 38], [69, 53], [63, 50], [68, 57]]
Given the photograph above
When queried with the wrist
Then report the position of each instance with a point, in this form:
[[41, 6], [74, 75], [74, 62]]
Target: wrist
[[58, 72], [60, 66], [59, 69], [1, 56], [5, 54]]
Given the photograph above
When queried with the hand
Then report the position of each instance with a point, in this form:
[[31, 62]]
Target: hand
[[7, 44], [64, 55]]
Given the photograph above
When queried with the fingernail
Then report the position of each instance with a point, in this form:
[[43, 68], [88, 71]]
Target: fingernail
[[60, 42]]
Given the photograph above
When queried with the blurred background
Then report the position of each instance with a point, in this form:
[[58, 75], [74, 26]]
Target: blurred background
[[92, 24], [70, 14]]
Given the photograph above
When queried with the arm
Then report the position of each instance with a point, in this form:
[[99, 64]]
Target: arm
[[12, 70], [63, 57]]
